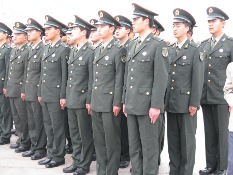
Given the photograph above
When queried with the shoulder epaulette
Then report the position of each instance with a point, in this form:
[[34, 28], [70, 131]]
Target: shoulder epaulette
[[193, 44], [230, 38], [158, 38], [205, 40]]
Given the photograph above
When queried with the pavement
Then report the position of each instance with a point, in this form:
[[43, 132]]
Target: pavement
[[12, 163]]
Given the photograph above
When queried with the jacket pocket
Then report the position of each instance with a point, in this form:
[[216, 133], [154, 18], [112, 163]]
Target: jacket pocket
[[108, 91], [145, 91], [185, 91]]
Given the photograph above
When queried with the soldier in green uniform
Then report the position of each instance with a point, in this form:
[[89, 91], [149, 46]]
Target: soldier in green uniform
[[78, 94], [34, 112], [15, 87], [5, 110], [108, 72], [122, 34], [219, 53], [143, 96], [52, 92], [94, 36], [185, 81], [157, 28]]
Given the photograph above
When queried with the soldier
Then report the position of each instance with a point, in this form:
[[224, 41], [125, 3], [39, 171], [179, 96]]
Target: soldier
[[52, 92], [219, 53], [94, 36], [68, 147], [144, 97], [15, 87], [157, 28], [34, 111], [70, 40], [5, 110], [78, 94], [122, 34], [183, 95], [108, 71]]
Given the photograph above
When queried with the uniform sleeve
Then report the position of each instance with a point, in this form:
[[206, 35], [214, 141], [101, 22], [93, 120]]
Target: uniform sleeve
[[125, 80], [7, 62], [228, 88], [25, 71], [90, 77], [64, 70], [197, 78], [119, 76], [160, 78]]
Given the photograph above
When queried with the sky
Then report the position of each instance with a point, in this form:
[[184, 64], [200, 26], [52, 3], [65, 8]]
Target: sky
[[15, 10]]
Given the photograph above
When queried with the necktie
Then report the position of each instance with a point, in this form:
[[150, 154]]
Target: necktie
[[177, 50], [101, 48], [213, 42], [137, 44], [49, 48]]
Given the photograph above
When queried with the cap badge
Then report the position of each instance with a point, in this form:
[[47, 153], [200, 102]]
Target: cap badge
[[177, 12], [17, 24], [210, 10], [92, 22], [29, 21], [133, 7], [117, 18], [165, 52], [46, 18], [101, 14]]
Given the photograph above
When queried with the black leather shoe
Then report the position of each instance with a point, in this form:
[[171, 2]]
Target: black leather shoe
[[4, 142], [53, 164], [13, 131], [44, 161], [94, 157], [14, 146], [69, 169], [38, 156], [207, 171], [69, 150], [81, 171], [21, 149], [28, 153], [124, 164], [220, 172]]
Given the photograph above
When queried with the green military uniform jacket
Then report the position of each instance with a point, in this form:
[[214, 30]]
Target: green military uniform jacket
[[108, 73], [16, 73], [145, 76], [33, 72], [80, 75], [5, 52], [185, 79], [216, 62], [54, 73]]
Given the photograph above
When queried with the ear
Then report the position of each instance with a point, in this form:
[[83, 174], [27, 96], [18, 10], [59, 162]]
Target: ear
[[112, 29], [84, 32], [128, 31]]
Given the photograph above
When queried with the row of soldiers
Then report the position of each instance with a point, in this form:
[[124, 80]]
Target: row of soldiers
[[116, 92]]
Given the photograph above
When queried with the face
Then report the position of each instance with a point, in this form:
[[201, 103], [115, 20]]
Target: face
[[121, 32], [216, 26], [179, 29], [77, 34], [3, 35], [70, 40], [105, 31], [51, 33], [33, 35], [139, 24], [20, 38], [94, 36]]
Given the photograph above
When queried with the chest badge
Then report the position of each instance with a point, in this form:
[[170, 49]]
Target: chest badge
[[80, 58], [53, 55], [221, 50], [35, 56], [184, 57], [107, 57], [144, 53], [165, 52]]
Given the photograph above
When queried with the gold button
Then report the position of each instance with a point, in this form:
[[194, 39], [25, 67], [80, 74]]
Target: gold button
[[175, 65], [131, 69], [131, 78], [97, 65], [70, 85], [131, 87], [95, 87], [44, 74], [188, 92], [173, 73], [209, 73], [46, 61], [210, 58], [95, 79], [72, 64], [82, 91], [26, 81], [20, 82], [172, 88], [38, 85], [209, 81], [70, 78], [173, 80], [44, 68], [147, 93], [96, 72], [209, 65], [44, 81], [133, 61], [110, 92], [71, 72]]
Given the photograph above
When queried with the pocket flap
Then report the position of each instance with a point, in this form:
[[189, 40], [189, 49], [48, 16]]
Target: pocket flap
[[80, 63], [81, 89], [108, 90], [185, 91], [106, 62], [146, 91], [183, 62], [143, 58]]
